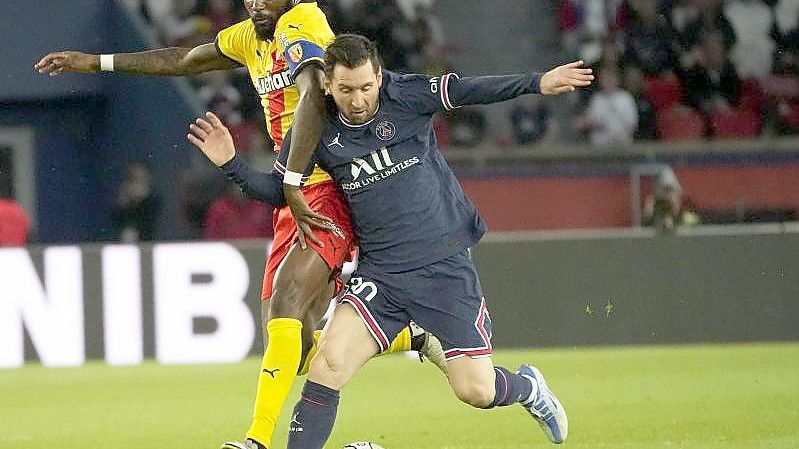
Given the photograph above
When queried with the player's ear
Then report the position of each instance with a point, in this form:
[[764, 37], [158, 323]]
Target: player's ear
[[379, 79]]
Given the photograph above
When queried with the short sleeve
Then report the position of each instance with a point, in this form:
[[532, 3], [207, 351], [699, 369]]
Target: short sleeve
[[234, 41], [303, 34]]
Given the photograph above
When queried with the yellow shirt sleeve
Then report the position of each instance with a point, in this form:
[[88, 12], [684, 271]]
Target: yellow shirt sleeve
[[235, 41], [303, 34]]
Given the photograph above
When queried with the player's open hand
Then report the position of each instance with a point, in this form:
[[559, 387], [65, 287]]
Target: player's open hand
[[56, 63], [566, 78], [212, 138], [306, 219]]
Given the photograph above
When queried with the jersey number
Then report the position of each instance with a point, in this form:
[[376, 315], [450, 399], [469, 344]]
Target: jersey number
[[434, 85], [357, 285]]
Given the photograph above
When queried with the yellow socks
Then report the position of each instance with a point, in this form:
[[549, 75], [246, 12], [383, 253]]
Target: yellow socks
[[278, 371]]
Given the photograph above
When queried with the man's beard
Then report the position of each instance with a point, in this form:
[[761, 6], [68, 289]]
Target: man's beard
[[266, 33]]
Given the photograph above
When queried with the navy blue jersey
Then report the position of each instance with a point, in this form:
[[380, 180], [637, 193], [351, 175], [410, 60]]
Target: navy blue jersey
[[407, 207]]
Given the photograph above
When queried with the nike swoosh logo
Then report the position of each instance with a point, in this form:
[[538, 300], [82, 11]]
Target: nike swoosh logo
[[271, 372]]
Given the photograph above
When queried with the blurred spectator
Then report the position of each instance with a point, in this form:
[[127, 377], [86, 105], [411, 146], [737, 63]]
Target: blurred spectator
[[786, 55], [647, 124], [221, 13], [649, 39], [754, 49], [14, 223], [219, 95], [467, 126], [570, 24], [530, 119], [429, 36], [233, 216], [137, 206], [384, 22], [586, 24], [701, 17], [176, 22], [710, 78], [427, 26], [664, 209], [612, 116], [200, 186]]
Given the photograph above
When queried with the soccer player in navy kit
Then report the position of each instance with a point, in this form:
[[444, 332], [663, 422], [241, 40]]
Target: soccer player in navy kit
[[415, 226]]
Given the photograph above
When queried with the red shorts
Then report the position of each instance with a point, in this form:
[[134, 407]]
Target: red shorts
[[326, 199]]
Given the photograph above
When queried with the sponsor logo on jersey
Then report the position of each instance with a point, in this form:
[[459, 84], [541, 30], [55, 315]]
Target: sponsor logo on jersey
[[375, 167], [385, 130], [271, 83], [295, 53], [336, 141]]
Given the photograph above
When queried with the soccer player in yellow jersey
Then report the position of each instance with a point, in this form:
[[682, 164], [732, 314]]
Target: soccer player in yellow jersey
[[282, 45]]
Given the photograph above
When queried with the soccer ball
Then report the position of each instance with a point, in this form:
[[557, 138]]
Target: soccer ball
[[362, 445]]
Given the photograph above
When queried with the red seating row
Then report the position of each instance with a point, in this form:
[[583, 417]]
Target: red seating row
[[682, 123]]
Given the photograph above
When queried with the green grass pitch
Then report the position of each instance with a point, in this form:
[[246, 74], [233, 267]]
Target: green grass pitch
[[728, 396]]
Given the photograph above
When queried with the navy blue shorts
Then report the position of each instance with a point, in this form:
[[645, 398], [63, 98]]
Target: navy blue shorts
[[445, 298]]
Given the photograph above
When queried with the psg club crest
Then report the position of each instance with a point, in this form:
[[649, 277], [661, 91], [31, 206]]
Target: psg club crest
[[295, 53], [385, 130]]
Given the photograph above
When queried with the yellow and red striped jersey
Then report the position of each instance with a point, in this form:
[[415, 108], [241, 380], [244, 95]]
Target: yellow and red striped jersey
[[301, 36]]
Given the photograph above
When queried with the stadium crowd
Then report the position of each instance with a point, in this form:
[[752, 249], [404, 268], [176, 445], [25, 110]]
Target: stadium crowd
[[668, 70], [687, 69]]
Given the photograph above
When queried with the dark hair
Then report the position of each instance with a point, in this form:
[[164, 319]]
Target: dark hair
[[351, 51]]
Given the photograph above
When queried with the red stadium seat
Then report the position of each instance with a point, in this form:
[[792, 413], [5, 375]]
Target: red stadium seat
[[681, 123], [663, 92], [736, 124], [781, 87], [752, 95]]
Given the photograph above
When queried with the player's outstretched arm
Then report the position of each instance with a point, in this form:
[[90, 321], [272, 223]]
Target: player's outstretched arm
[[212, 137], [451, 91], [566, 78], [174, 61]]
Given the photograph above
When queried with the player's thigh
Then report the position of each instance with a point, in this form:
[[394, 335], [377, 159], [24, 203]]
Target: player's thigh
[[345, 346], [300, 279]]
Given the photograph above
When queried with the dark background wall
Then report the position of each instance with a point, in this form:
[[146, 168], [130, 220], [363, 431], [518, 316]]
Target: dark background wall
[[571, 291], [725, 288], [89, 128]]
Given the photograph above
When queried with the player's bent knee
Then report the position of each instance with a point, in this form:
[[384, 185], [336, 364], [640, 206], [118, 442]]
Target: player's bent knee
[[475, 394], [329, 367], [472, 387]]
